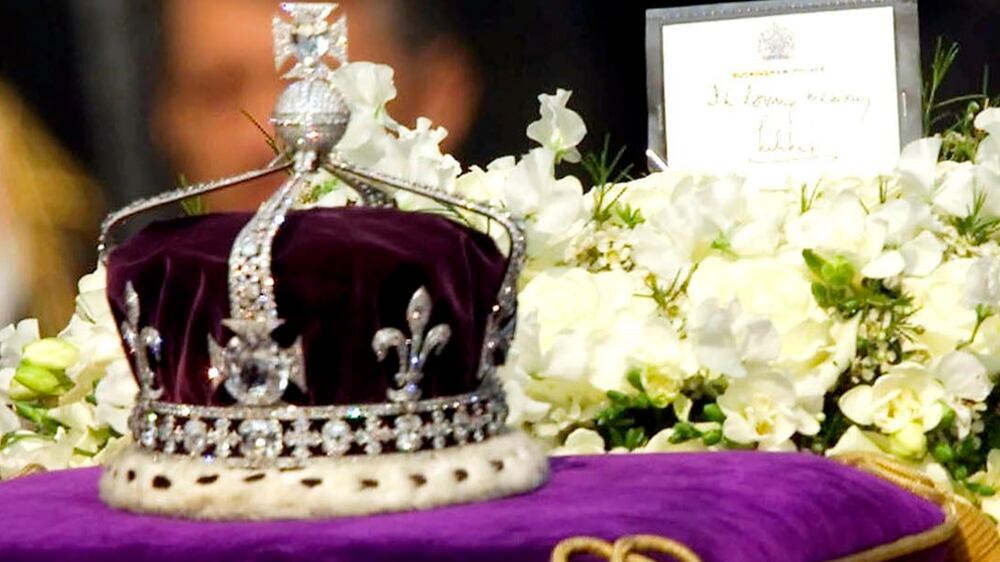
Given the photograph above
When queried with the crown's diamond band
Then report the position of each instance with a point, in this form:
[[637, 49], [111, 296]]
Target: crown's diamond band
[[289, 436]]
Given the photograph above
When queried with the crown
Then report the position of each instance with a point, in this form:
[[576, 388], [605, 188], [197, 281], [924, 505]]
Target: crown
[[321, 362]]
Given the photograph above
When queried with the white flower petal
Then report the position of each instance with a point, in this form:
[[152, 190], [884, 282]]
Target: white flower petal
[[858, 404], [888, 264], [918, 165]]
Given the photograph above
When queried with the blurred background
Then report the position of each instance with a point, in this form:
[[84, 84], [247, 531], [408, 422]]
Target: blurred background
[[104, 101]]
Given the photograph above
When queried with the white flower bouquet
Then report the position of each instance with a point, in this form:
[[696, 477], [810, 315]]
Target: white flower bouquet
[[677, 312]]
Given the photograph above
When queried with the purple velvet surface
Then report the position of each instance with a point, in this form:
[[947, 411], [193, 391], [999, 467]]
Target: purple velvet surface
[[728, 507], [340, 275]]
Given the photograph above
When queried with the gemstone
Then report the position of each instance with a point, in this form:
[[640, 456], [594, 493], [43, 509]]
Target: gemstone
[[461, 424], [311, 47], [439, 429], [165, 432], [408, 436], [258, 375], [301, 439], [222, 438], [336, 435], [147, 431], [372, 436], [260, 439], [195, 436]]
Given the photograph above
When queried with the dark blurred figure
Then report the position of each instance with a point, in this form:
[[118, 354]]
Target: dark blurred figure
[[473, 66], [218, 60]]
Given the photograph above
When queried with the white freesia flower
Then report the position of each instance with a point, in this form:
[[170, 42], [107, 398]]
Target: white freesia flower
[[983, 283], [551, 205], [581, 442], [731, 343], [941, 306], [907, 395], [967, 384], [911, 247], [917, 170], [366, 87], [990, 477], [989, 149], [560, 129], [13, 339], [841, 227], [115, 395], [416, 156], [854, 440], [763, 408]]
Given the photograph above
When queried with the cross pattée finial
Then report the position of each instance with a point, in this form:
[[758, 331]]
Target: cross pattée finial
[[309, 38]]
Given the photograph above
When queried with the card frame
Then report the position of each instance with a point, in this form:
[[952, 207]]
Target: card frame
[[907, 35]]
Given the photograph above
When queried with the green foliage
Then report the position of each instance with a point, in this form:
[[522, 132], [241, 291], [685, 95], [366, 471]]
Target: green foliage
[[38, 417], [629, 216], [976, 228], [12, 437], [666, 297], [954, 118], [193, 206], [606, 173], [837, 285], [630, 419]]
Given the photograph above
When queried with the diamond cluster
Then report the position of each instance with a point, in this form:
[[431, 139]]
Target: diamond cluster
[[288, 436]]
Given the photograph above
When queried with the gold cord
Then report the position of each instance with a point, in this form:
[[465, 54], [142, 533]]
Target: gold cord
[[625, 549]]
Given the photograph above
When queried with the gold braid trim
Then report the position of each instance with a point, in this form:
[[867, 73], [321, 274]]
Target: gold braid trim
[[29, 470], [625, 549], [971, 536]]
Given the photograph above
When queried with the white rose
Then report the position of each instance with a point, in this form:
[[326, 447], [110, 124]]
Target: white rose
[[763, 408], [906, 395]]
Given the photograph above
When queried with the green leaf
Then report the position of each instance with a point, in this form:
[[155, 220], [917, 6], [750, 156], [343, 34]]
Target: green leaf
[[44, 424], [12, 437]]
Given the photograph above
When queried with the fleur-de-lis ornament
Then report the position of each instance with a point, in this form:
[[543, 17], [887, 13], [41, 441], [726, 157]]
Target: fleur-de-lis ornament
[[414, 351], [144, 344]]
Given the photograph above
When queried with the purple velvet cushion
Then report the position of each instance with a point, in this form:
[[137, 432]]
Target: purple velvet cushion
[[728, 507], [340, 275]]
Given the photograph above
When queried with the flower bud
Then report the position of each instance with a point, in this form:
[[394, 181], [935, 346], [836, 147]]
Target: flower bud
[[909, 442], [51, 353]]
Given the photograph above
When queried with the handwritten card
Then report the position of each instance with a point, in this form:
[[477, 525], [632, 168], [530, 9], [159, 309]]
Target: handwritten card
[[790, 95]]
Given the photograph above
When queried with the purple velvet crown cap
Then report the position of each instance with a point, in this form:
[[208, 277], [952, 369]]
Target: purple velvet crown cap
[[340, 275]]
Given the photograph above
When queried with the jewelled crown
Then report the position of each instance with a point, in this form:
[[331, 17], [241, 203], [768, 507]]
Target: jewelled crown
[[336, 352]]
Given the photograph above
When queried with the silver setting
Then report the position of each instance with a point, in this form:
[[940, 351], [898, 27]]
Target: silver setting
[[143, 344], [414, 351]]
